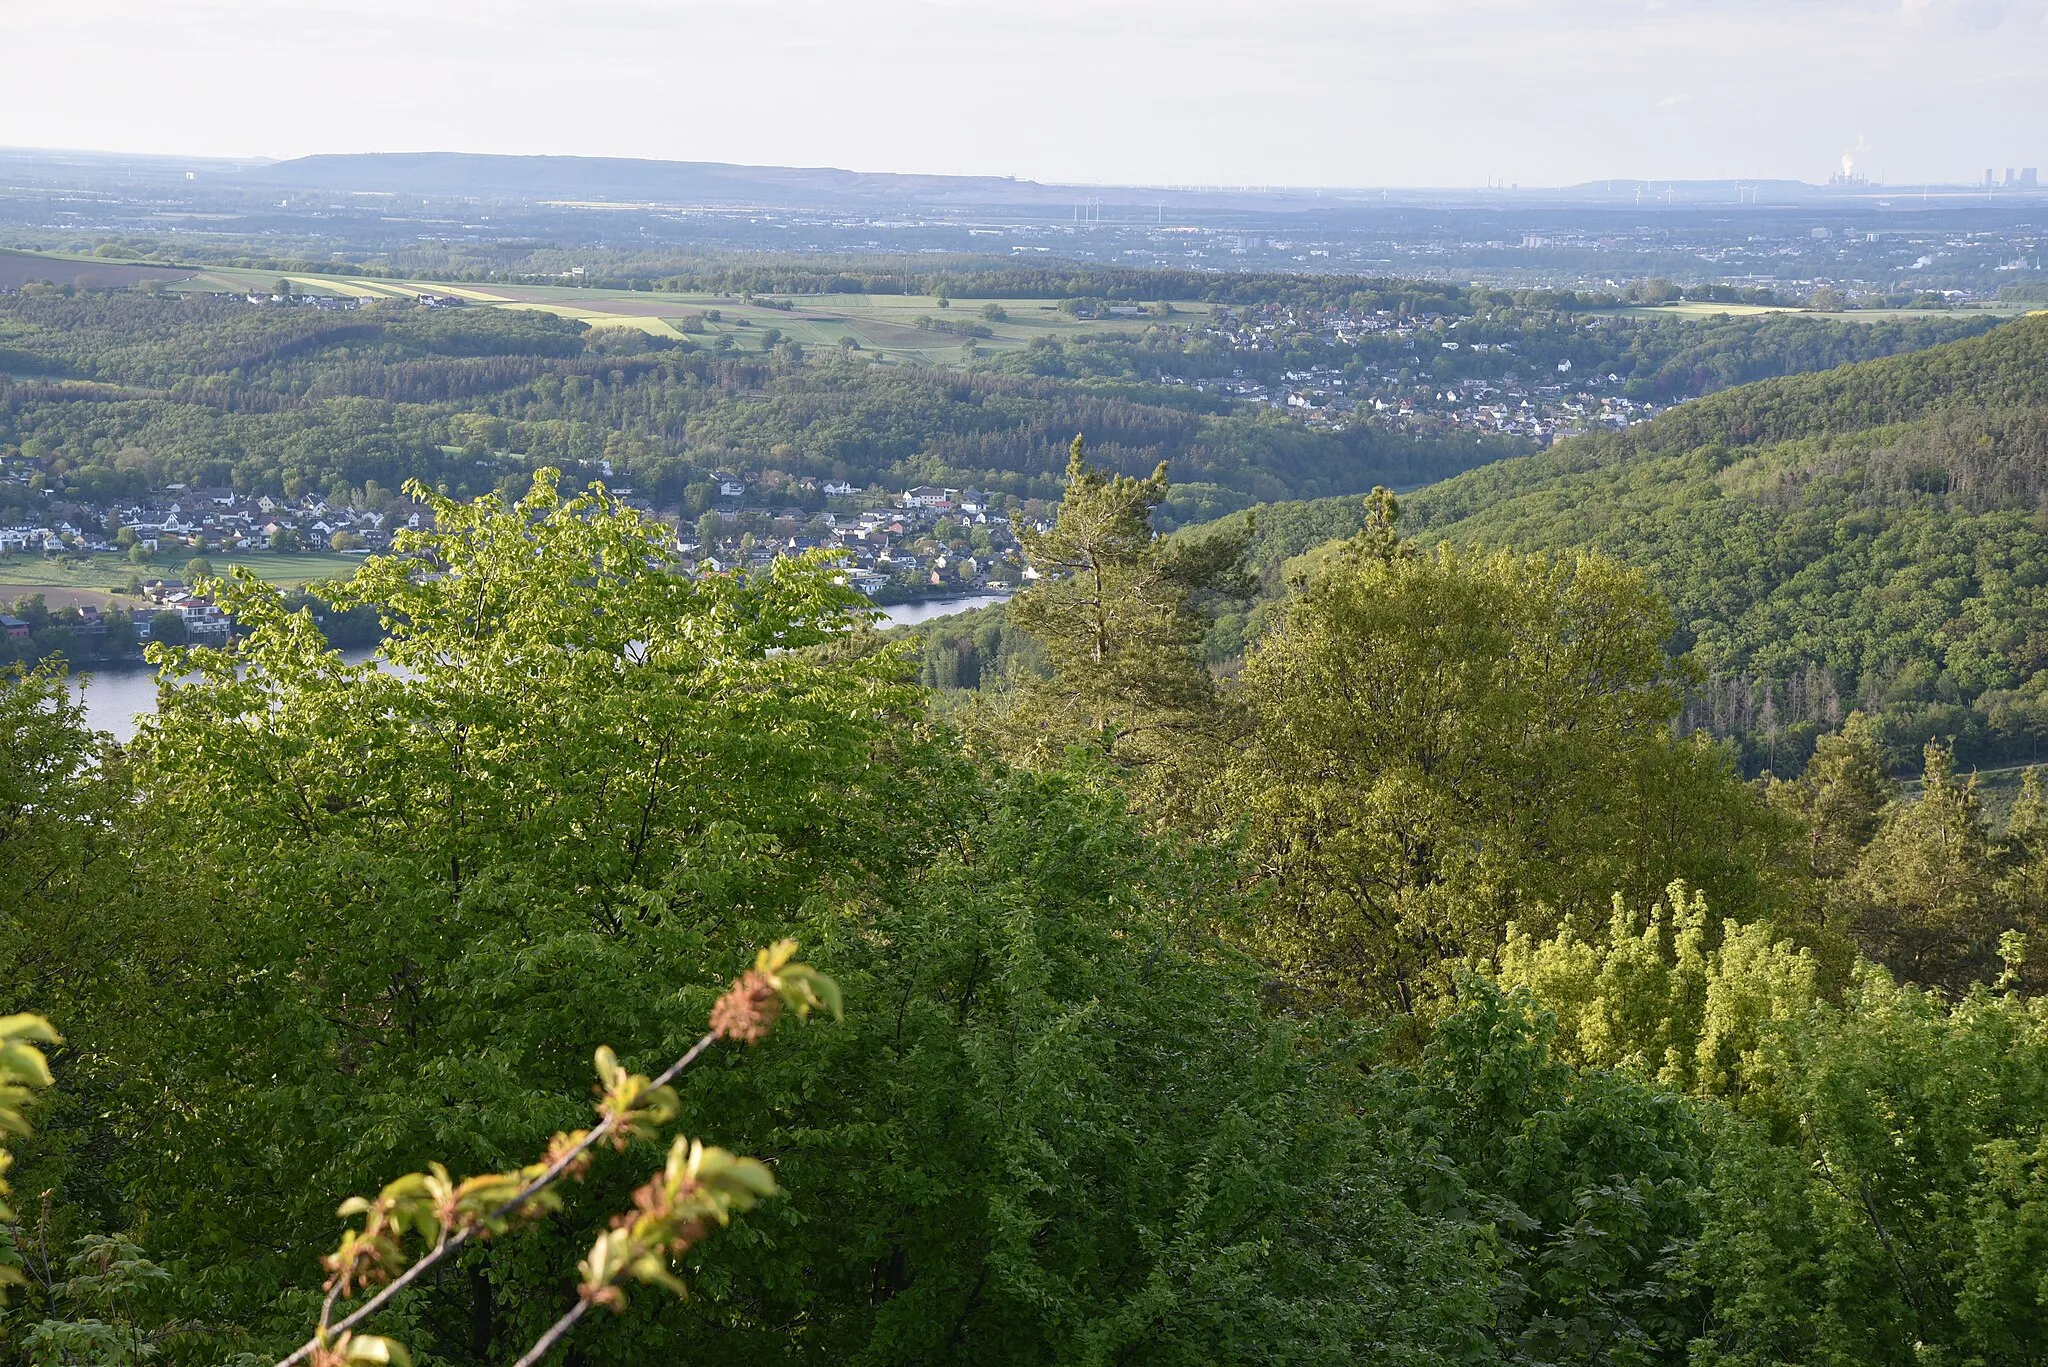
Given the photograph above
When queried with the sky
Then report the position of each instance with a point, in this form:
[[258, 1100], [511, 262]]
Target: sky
[[1150, 92]]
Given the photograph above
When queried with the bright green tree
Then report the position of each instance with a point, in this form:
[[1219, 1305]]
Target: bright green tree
[[1672, 995], [62, 794], [1438, 745], [1876, 1198]]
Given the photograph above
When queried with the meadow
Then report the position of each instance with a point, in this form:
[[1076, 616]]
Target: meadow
[[69, 581], [882, 324]]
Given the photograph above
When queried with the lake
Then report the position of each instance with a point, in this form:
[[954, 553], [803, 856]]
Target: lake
[[114, 698]]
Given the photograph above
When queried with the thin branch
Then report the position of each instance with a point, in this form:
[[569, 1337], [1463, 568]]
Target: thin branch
[[555, 1331], [526, 1193]]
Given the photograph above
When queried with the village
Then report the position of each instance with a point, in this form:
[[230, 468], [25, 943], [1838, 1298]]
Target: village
[[925, 542], [1429, 378]]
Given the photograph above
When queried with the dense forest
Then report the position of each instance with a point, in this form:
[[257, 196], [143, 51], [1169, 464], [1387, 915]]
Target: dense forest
[[1868, 538], [1415, 992]]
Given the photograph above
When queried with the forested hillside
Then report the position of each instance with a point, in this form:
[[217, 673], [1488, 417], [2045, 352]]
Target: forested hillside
[[108, 395], [1870, 537], [118, 393]]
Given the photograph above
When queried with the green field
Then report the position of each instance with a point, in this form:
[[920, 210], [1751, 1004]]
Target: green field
[[884, 325], [104, 573]]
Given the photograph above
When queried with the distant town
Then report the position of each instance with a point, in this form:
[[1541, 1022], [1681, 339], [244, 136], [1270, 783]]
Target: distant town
[[1406, 397], [925, 542]]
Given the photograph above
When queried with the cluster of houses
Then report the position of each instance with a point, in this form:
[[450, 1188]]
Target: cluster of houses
[[925, 540], [1508, 407], [200, 521], [1335, 398]]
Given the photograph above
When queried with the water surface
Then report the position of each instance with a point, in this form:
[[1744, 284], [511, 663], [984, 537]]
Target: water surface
[[114, 698]]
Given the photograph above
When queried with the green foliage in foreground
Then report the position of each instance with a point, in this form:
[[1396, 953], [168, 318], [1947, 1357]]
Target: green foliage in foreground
[[400, 906], [324, 927], [1874, 1184]]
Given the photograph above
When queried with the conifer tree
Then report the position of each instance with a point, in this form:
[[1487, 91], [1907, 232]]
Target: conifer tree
[[2023, 879], [1841, 797], [1921, 898], [1119, 612]]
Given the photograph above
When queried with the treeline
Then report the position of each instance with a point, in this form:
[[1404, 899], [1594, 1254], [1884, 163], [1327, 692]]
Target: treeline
[[1415, 994], [1002, 278], [119, 636]]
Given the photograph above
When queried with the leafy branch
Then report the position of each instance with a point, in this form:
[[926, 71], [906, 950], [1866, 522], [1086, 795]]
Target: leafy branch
[[697, 1188], [23, 1070]]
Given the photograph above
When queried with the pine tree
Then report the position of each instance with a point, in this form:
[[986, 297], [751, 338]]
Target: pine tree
[[1921, 898], [2023, 880], [1119, 612], [1841, 797]]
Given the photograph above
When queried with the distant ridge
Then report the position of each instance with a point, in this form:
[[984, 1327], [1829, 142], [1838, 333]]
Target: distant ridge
[[629, 180], [491, 177]]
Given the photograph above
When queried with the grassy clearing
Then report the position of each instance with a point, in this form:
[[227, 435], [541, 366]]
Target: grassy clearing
[[103, 573], [348, 289], [883, 324], [1691, 308], [597, 318]]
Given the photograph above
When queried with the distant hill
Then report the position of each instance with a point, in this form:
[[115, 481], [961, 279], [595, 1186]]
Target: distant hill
[[1873, 536], [466, 175], [469, 175]]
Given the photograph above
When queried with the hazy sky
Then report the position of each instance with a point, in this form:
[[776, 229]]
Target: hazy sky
[[1294, 92]]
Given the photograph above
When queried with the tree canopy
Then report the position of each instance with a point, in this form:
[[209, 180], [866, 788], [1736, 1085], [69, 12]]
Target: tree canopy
[[1407, 985]]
